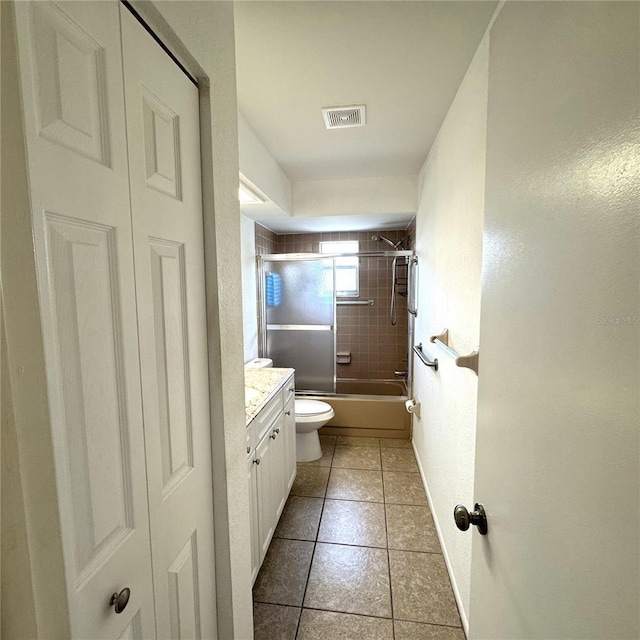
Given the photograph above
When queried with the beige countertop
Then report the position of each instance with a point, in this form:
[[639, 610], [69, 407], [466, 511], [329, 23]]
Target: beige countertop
[[266, 382]]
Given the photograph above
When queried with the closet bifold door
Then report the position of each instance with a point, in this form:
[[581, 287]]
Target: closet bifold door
[[72, 89], [162, 113]]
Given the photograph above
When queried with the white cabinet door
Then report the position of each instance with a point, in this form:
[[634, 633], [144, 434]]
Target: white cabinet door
[[278, 441], [252, 479], [162, 108], [289, 440], [71, 76], [266, 481]]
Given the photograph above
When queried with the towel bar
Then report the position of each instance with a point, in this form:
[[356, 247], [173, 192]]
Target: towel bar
[[368, 303], [469, 361]]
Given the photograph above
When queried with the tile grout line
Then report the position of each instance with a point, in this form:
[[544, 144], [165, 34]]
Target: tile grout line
[[386, 531], [315, 545]]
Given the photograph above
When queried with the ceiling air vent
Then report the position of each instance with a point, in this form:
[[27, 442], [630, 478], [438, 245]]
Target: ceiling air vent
[[342, 117]]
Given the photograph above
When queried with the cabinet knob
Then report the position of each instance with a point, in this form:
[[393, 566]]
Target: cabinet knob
[[287, 413], [277, 430], [256, 461], [119, 601], [291, 389], [273, 436]]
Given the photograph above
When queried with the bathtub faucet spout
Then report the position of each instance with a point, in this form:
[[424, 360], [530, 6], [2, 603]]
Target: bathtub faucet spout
[[400, 374]]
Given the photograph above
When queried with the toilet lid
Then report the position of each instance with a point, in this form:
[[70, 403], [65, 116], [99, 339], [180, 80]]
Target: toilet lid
[[311, 407]]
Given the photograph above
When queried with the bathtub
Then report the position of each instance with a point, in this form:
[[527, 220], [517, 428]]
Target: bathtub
[[367, 408]]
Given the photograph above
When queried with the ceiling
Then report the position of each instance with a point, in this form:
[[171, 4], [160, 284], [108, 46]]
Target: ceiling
[[403, 60]]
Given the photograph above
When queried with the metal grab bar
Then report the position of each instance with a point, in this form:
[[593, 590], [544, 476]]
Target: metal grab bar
[[413, 287], [417, 348], [469, 361], [367, 303]]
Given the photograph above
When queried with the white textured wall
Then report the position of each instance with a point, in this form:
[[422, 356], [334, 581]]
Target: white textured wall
[[395, 194], [449, 248], [259, 166], [249, 296]]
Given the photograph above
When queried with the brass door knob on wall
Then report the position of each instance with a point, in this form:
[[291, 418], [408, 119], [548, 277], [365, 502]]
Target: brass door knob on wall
[[478, 518]]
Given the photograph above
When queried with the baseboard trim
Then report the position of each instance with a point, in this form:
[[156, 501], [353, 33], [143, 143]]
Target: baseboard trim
[[447, 561]]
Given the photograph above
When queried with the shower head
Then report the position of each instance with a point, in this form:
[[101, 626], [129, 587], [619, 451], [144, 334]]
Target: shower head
[[397, 245]]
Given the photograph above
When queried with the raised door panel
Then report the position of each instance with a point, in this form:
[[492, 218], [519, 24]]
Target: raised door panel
[[184, 600], [71, 81], [83, 283], [162, 112], [172, 360]]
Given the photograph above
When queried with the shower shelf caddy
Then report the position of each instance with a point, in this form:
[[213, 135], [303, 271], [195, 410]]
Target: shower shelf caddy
[[469, 361]]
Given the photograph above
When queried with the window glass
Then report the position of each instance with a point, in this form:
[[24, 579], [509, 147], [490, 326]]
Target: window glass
[[346, 269]]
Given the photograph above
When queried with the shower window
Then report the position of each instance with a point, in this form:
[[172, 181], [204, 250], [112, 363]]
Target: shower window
[[346, 269]]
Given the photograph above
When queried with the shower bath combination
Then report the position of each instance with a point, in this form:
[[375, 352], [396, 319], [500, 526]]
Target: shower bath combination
[[298, 326]]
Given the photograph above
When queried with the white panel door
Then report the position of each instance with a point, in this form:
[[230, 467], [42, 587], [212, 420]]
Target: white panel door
[[557, 464], [162, 107], [71, 74]]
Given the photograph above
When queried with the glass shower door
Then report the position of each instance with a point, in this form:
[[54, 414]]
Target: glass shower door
[[299, 309]]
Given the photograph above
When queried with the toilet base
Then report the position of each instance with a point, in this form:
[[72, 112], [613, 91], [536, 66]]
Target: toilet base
[[308, 446]]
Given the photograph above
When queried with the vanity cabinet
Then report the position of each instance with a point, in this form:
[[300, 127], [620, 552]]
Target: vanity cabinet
[[271, 468]]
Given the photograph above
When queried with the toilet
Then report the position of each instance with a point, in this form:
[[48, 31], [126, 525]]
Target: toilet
[[310, 416]]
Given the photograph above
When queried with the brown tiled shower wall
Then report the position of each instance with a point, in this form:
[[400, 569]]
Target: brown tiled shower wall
[[377, 348]]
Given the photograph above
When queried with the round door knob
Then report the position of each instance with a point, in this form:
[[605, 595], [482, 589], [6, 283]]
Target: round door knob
[[119, 601], [478, 518]]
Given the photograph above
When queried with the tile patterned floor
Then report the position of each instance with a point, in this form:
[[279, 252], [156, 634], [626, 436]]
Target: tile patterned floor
[[355, 554]]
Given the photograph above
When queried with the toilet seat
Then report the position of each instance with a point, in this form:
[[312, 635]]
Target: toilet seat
[[308, 408]]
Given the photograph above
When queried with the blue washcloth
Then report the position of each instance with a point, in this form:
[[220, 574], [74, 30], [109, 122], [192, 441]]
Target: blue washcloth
[[274, 289]]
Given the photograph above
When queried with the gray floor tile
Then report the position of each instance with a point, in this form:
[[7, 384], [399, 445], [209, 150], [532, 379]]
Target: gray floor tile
[[399, 460], [395, 443], [403, 488], [328, 625], [310, 481], [417, 631], [300, 518], [328, 439], [411, 528], [357, 441], [349, 580], [284, 571], [421, 588], [356, 458], [355, 484], [358, 523], [274, 622], [327, 456]]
